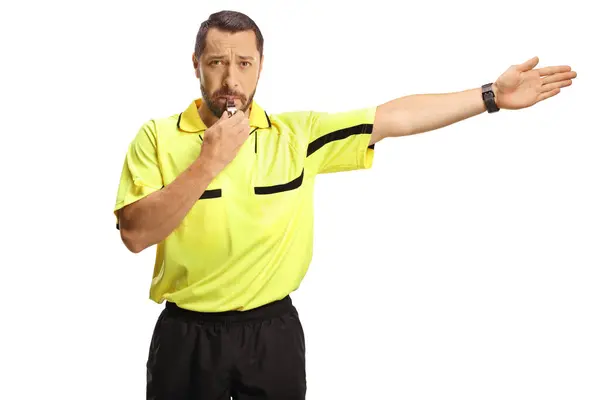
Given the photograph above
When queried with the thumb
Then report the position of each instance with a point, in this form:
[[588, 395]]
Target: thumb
[[224, 116], [529, 64]]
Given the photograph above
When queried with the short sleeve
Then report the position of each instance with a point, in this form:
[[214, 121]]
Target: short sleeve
[[141, 173], [340, 141]]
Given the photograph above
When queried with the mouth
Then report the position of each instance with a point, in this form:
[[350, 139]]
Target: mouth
[[228, 99]]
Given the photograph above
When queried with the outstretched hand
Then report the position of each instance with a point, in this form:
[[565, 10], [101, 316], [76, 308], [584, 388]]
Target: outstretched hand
[[521, 86]]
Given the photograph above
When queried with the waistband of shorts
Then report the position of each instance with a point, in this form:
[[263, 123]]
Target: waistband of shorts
[[271, 310]]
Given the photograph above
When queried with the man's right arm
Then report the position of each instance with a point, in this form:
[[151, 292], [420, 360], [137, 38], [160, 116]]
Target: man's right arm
[[147, 213], [151, 219]]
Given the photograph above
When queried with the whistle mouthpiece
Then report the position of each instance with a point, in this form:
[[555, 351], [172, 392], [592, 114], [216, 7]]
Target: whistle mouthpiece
[[231, 107]]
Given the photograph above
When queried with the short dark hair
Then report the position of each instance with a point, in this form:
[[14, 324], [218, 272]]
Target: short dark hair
[[229, 21]]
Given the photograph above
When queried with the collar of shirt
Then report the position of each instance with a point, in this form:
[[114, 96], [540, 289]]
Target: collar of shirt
[[190, 121]]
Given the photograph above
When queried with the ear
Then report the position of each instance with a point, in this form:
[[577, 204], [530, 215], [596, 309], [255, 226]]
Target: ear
[[262, 61], [195, 62]]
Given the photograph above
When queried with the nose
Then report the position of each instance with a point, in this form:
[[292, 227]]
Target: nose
[[229, 80]]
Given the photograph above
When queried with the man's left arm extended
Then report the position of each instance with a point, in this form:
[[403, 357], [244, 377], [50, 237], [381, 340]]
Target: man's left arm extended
[[520, 86]]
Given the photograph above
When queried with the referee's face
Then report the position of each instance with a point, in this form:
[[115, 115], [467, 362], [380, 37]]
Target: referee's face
[[228, 69]]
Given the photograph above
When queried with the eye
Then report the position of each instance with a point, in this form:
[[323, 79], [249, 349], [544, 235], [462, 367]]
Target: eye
[[245, 64], [215, 62]]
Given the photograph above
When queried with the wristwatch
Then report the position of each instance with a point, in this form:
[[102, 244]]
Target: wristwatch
[[489, 98]]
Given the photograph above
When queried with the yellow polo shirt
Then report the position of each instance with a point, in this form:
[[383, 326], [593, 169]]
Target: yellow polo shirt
[[248, 240]]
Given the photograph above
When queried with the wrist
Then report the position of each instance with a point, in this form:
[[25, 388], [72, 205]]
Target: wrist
[[496, 93], [490, 93], [205, 167]]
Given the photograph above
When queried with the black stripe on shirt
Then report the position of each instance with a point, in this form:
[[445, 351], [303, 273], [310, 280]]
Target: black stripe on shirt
[[284, 187], [338, 135], [211, 194]]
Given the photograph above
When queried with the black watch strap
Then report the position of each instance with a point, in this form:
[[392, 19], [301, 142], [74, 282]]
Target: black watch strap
[[489, 98]]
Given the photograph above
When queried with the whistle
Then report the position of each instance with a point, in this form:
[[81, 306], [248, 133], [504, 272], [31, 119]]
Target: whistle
[[231, 107]]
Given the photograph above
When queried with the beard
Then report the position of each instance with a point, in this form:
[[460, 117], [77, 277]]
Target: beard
[[218, 110]]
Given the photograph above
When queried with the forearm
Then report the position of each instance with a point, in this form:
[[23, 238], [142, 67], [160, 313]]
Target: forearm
[[426, 112], [151, 219]]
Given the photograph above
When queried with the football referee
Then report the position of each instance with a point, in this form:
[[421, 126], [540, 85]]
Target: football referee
[[228, 202]]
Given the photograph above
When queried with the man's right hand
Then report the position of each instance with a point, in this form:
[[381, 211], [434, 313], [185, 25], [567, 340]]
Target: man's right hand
[[151, 219], [223, 140]]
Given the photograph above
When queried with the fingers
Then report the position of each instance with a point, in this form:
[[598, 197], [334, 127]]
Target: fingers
[[529, 64], [236, 119], [223, 120], [238, 116], [239, 124], [244, 132], [553, 70], [563, 76], [556, 85], [240, 120], [240, 134], [547, 95]]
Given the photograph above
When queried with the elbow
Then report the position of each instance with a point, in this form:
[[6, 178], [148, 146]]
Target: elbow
[[134, 247], [132, 241], [131, 237]]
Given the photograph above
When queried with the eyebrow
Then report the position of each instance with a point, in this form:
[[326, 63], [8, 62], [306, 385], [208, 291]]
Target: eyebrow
[[220, 57]]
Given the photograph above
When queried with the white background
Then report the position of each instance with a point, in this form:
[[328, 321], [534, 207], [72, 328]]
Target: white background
[[464, 265]]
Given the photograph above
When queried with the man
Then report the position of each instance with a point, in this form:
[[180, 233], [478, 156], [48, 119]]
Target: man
[[228, 202]]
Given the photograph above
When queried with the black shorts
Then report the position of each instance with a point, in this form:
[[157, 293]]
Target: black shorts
[[254, 354]]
